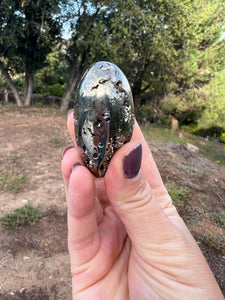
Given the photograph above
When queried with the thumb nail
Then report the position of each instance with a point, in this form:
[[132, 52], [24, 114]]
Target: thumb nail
[[132, 162]]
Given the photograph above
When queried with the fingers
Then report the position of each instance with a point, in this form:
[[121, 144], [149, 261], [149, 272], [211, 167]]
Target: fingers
[[150, 170], [162, 247], [84, 213], [83, 238], [134, 201], [149, 167], [70, 156], [70, 126]]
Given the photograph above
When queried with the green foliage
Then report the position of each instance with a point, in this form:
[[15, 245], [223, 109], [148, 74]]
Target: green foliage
[[11, 181], [222, 137], [3, 84], [176, 193], [203, 109], [26, 41], [15, 156], [184, 107], [212, 99], [167, 46], [56, 90], [145, 113], [19, 82], [26, 215], [164, 47]]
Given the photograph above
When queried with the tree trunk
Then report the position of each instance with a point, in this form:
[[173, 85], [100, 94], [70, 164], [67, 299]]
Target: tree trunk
[[174, 124], [28, 90], [67, 95], [137, 101], [29, 82], [11, 85]]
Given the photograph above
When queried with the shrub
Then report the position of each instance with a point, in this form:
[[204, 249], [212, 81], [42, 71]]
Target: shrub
[[11, 181], [26, 215], [3, 84], [19, 82], [145, 114], [56, 90], [222, 138]]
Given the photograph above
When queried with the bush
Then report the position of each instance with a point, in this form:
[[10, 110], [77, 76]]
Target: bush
[[184, 107], [222, 138], [213, 99], [3, 84], [56, 90], [145, 114], [11, 181], [19, 82], [201, 108], [26, 215]]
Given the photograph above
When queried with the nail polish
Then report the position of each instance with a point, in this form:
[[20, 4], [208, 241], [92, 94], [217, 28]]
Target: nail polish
[[132, 162], [64, 151], [76, 164]]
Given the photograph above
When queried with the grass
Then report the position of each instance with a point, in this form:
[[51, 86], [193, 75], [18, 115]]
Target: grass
[[58, 143], [160, 134], [176, 193], [217, 242], [213, 153], [196, 214], [43, 105], [14, 157], [26, 215], [11, 181], [206, 149]]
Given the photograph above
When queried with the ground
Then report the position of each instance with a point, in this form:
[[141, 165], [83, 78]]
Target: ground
[[34, 259]]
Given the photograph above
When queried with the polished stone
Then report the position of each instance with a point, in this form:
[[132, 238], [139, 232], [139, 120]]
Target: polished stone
[[103, 115]]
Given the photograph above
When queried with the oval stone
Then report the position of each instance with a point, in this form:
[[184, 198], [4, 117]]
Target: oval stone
[[103, 115]]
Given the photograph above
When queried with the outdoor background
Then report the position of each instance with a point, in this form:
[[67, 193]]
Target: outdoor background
[[173, 54]]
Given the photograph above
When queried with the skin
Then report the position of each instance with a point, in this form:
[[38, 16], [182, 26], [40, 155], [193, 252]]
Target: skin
[[125, 237]]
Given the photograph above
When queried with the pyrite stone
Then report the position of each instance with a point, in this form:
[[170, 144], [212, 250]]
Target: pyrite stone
[[103, 115]]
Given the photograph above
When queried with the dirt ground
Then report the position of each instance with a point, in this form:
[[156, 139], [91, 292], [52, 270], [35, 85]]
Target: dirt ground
[[34, 260]]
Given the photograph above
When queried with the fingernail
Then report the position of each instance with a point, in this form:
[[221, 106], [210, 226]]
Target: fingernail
[[75, 165], [132, 162], [64, 151], [69, 112]]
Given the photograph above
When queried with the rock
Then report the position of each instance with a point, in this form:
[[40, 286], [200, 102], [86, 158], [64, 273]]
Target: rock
[[191, 148], [103, 115]]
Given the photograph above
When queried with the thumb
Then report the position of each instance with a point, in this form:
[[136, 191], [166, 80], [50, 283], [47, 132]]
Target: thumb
[[146, 222]]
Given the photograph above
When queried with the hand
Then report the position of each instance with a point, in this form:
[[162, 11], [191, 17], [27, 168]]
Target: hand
[[126, 239]]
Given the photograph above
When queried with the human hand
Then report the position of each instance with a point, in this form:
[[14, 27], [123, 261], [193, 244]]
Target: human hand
[[126, 239]]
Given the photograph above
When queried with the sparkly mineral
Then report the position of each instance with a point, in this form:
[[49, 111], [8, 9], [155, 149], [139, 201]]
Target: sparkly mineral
[[103, 115]]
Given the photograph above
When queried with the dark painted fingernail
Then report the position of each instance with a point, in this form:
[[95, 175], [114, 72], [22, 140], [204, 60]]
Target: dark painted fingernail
[[132, 162], [64, 151], [69, 112], [75, 165]]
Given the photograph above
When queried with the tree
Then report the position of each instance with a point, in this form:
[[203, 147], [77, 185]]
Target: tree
[[199, 46], [199, 50], [138, 32], [155, 43], [166, 46], [29, 29], [87, 43]]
